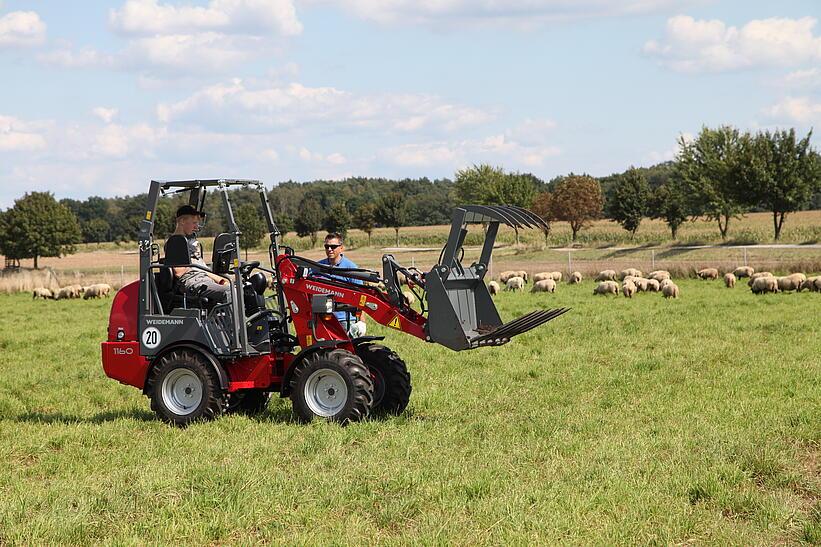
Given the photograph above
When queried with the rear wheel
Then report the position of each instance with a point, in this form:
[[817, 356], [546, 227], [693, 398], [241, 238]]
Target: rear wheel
[[184, 388], [391, 379], [334, 385]]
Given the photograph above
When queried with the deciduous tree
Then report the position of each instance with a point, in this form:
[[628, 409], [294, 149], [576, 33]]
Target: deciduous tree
[[629, 201], [364, 219], [577, 199], [391, 212], [309, 220], [39, 226]]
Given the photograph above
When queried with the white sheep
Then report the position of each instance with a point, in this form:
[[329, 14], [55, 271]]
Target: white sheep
[[97, 290], [790, 282], [765, 284], [515, 284], [670, 290], [652, 285], [628, 289], [629, 271], [708, 273], [664, 283], [659, 275], [557, 276], [607, 287], [522, 274], [41, 292], [493, 288], [541, 276], [640, 283], [606, 275], [575, 277], [545, 285], [813, 284], [63, 293], [729, 280], [504, 276], [756, 275], [743, 271]]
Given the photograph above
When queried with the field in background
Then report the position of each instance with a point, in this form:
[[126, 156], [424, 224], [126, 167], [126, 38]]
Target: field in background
[[604, 245], [624, 421]]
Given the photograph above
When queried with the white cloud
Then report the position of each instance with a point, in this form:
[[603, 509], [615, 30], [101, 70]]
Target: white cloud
[[19, 136], [237, 106], [86, 57], [256, 17], [801, 110], [692, 45], [119, 141], [456, 154], [105, 114], [518, 13], [190, 52], [21, 29], [804, 79]]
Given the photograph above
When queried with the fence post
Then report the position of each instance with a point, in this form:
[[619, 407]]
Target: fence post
[[653, 259], [745, 256], [569, 262], [122, 275]]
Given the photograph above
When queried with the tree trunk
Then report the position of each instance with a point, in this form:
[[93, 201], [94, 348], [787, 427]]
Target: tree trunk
[[397, 236], [369, 239], [546, 234], [35, 262], [575, 230], [778, 223], [313, 240], [674, 229], [516, 230], [723, 227]]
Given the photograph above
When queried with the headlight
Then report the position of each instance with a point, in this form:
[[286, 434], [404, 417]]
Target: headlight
[[322, 303]]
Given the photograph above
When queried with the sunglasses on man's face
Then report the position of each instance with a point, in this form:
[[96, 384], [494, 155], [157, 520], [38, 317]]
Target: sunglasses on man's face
[[332, 247]]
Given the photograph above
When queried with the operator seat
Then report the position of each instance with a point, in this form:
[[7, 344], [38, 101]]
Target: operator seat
[[176, 254]]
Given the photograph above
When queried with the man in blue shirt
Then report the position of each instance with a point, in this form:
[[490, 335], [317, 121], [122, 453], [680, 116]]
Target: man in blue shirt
[[334, 257]]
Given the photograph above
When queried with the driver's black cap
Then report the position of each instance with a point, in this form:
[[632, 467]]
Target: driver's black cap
[[189, 210]]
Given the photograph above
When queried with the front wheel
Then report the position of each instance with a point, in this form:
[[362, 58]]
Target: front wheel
[[184, 388], [391, 379], [334, 385]]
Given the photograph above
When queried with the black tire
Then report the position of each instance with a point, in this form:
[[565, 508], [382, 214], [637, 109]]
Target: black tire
[[334, 385], [184, 388], [391, 379], [249, 402]]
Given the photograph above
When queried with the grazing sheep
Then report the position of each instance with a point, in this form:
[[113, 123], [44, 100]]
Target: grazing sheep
[[541, 276], [409, 297], [729, 280], [708, 273], [628, 289], [607, 287], [790, 282], [664, 283], [63, 293], [640, 283], [756, 276], [670, 290], [813, 284], [743, 271], [515, 284], [659, 275], [764, 284], [629, 271], [575, 277], [41, 292], [78, 290], [545, 285], [97, 291], [504, 276], [606, 275], [522, 274], [652, 285], [493, 288]]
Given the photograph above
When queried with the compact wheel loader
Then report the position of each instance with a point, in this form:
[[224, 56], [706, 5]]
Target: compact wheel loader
[[196, 359]]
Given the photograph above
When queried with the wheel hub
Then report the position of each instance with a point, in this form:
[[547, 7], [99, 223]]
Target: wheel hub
[[182, 391], [326, 392]]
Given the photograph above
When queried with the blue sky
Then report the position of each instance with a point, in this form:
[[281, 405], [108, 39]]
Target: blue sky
[[98, 96]]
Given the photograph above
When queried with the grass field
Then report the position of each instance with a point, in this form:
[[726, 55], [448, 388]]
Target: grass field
[[622, 422]]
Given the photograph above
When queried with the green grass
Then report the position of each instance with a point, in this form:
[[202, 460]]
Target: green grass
[[621, 422]]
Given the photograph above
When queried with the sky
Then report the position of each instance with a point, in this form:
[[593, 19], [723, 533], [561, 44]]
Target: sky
[[99, 97]]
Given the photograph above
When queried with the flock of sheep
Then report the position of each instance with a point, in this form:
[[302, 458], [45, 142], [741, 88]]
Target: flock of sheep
[[632, 281], [764, 282], [97, 290]]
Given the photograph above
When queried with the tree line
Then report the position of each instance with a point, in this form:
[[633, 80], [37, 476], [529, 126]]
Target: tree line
[[720, 175]]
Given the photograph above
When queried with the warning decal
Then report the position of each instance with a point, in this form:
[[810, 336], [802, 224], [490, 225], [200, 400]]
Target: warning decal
[[395, 323]]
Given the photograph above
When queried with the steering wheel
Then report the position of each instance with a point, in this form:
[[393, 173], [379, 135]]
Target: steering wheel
[[246, 268]]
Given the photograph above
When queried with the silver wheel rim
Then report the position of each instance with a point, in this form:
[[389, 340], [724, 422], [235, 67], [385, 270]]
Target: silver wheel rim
[[182, 391], [326, 392]]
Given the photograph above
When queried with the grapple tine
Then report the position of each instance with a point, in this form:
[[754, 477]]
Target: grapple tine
[[534, 218], [516, 212], [493, 213], [520, 325]]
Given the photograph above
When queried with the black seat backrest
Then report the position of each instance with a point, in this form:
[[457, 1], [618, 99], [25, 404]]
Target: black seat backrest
[[176, 251], [224, 253], [164, 281]]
